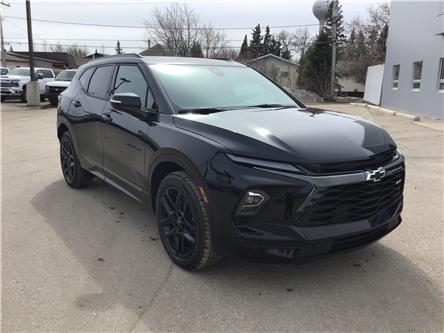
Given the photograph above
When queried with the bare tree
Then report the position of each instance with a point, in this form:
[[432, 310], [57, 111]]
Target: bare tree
[[301, 40], [228, 52], [175, 28], [286, 41], [77, 51], [57, 48], [212, 41]]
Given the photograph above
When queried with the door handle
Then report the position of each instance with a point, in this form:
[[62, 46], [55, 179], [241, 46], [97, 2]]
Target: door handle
[[107, 117], [77, 104]]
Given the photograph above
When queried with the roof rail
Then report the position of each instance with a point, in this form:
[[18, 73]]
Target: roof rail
[[134, 55], [226, 59]]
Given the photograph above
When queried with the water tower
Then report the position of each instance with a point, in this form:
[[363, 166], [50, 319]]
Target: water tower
[[320, 10]]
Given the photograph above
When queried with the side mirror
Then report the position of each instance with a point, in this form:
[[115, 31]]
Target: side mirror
[[39, 76], [126, 102]]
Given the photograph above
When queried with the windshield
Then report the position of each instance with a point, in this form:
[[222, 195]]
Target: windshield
[[222, 87], [65, 76], [20, 71]]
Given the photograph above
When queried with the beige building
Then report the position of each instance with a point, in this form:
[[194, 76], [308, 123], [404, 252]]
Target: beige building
[[283, 71]]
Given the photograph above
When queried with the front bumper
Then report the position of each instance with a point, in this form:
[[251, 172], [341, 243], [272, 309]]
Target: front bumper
[[11, 91], [280, 231]]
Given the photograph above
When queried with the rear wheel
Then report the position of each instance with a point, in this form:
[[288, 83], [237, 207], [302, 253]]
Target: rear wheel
[[184, 223], [73, 173]]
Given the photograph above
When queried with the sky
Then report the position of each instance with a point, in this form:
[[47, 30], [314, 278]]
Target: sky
[[232, 14]]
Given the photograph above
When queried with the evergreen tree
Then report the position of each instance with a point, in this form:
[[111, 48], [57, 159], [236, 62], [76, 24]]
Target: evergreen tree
[[340, 32], [256, 42], [275, 47], [244, 53], [118, 48], [196, 50], [286, 54], [266, 44], [316, 68]]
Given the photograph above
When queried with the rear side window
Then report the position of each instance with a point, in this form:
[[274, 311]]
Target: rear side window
[[84, 79], [130, 79], [100, 80]]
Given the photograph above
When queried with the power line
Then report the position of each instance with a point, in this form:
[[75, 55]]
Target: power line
[[111, 47], [103, 39], [152, 27]]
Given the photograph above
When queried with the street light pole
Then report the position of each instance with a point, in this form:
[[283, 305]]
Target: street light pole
[[333, 48], [2, 40], [32, 88], [30, 45]]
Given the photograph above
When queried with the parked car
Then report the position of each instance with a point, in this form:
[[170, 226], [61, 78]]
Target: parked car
[[230, 161], [13, 85], [4, 70], [56, 87]]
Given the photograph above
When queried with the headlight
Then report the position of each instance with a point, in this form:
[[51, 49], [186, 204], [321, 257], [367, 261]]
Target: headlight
[[264, 164], [15, 83]]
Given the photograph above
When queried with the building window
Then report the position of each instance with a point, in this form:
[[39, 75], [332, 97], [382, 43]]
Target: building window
[[395, 77], [441, 75], [417, 73]]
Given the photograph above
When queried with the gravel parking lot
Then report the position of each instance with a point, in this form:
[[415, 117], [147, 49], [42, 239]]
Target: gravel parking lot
[[91, 260]]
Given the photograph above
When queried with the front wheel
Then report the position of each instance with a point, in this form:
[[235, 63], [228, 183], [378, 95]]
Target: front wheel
[[73, 173], [53, 100], [184, 223]]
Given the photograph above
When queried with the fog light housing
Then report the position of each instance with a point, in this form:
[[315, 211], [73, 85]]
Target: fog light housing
[[251, 203]]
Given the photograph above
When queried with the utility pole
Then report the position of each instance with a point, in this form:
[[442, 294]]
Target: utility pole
[[2, 40], [32, 88], [333, 48]]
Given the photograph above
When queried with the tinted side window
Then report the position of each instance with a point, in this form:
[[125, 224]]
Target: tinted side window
[[99, 83], [47, 74], [130, 79], [84, 79]]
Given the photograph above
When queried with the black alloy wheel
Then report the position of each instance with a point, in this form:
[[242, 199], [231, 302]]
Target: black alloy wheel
[[73, 173], [178, 222], [184, 224]]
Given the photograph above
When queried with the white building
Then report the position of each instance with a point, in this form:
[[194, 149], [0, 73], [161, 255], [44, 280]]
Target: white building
[[413, 79]]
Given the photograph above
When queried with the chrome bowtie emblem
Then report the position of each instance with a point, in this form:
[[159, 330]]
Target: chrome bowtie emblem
[[375, 175]]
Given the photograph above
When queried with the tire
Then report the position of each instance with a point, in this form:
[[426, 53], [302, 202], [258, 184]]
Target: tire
[[42, 98], [23, 95], [53, 101], [184, 223], [73, 173]]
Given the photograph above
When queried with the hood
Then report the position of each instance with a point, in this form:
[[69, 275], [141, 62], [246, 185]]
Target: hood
[[14, 77], [291, 135], [62, 84]]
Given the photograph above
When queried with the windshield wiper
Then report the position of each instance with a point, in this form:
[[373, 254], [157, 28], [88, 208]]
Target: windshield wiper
[[264, 106], [201, 110]]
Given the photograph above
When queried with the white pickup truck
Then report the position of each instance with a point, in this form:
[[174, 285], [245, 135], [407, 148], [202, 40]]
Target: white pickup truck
[[13, 84]]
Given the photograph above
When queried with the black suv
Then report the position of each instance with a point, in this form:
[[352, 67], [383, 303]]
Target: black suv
[[230, 161]]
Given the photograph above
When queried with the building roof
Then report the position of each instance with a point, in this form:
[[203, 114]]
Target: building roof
[[57, 58], [156, 50], [274, 57], [21, 56], [95, 55]]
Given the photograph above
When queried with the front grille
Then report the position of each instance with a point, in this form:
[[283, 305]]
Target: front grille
[[351, 202], [373, 162], [6, 84], [55, 90]]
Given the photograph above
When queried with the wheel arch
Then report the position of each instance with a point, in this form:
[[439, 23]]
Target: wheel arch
[[168, 161]]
